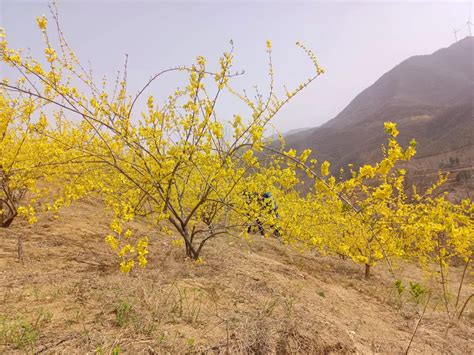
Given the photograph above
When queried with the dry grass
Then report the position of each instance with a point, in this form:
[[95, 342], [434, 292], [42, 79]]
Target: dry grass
[[248, 297]]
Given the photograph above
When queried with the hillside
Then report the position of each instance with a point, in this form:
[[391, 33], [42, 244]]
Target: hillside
[[247, 297], [430, 97]]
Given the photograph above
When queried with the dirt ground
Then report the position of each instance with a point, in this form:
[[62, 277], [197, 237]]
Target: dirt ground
[[255, 296]]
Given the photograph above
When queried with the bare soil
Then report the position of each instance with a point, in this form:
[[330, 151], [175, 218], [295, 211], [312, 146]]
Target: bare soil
[[249, 296]]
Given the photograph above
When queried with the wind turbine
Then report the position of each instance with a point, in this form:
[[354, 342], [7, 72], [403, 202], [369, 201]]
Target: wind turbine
[[455, 34], [469, 23]]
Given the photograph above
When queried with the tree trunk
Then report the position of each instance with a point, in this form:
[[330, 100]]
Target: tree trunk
[[190, 251], [20, 247], [7, 222], [6, 219], [367, 271]]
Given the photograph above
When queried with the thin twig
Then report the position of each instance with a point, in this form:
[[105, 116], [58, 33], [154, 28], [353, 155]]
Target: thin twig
[[464, 306], [461, 282], [418, 324]]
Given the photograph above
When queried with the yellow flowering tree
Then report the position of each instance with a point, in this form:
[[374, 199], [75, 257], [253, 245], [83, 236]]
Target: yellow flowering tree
[[28, 160], [29, 174], [173, 164], [378, 192], [373, 215], [18, 143], [438, 232]]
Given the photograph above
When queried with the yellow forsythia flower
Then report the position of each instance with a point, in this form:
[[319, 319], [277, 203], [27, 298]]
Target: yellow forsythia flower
[[126, 266], [42, 22], [391, 128], [325, 168], [112, 241]]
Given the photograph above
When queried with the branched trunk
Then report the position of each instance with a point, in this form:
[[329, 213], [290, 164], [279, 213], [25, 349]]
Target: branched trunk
[[191, 252]]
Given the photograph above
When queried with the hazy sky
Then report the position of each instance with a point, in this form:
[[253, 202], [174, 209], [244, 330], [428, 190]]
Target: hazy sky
[[356, 42]]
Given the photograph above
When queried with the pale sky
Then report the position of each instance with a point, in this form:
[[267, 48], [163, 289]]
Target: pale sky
[[356, 42]]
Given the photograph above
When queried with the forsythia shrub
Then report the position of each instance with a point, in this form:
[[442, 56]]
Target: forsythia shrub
[[172, 164]]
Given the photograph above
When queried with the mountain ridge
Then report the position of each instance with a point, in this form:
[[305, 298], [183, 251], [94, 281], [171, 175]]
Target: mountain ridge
[[429, 96]]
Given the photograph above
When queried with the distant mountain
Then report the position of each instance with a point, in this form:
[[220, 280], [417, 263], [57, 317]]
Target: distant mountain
[[274, 136], [430, 97]]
